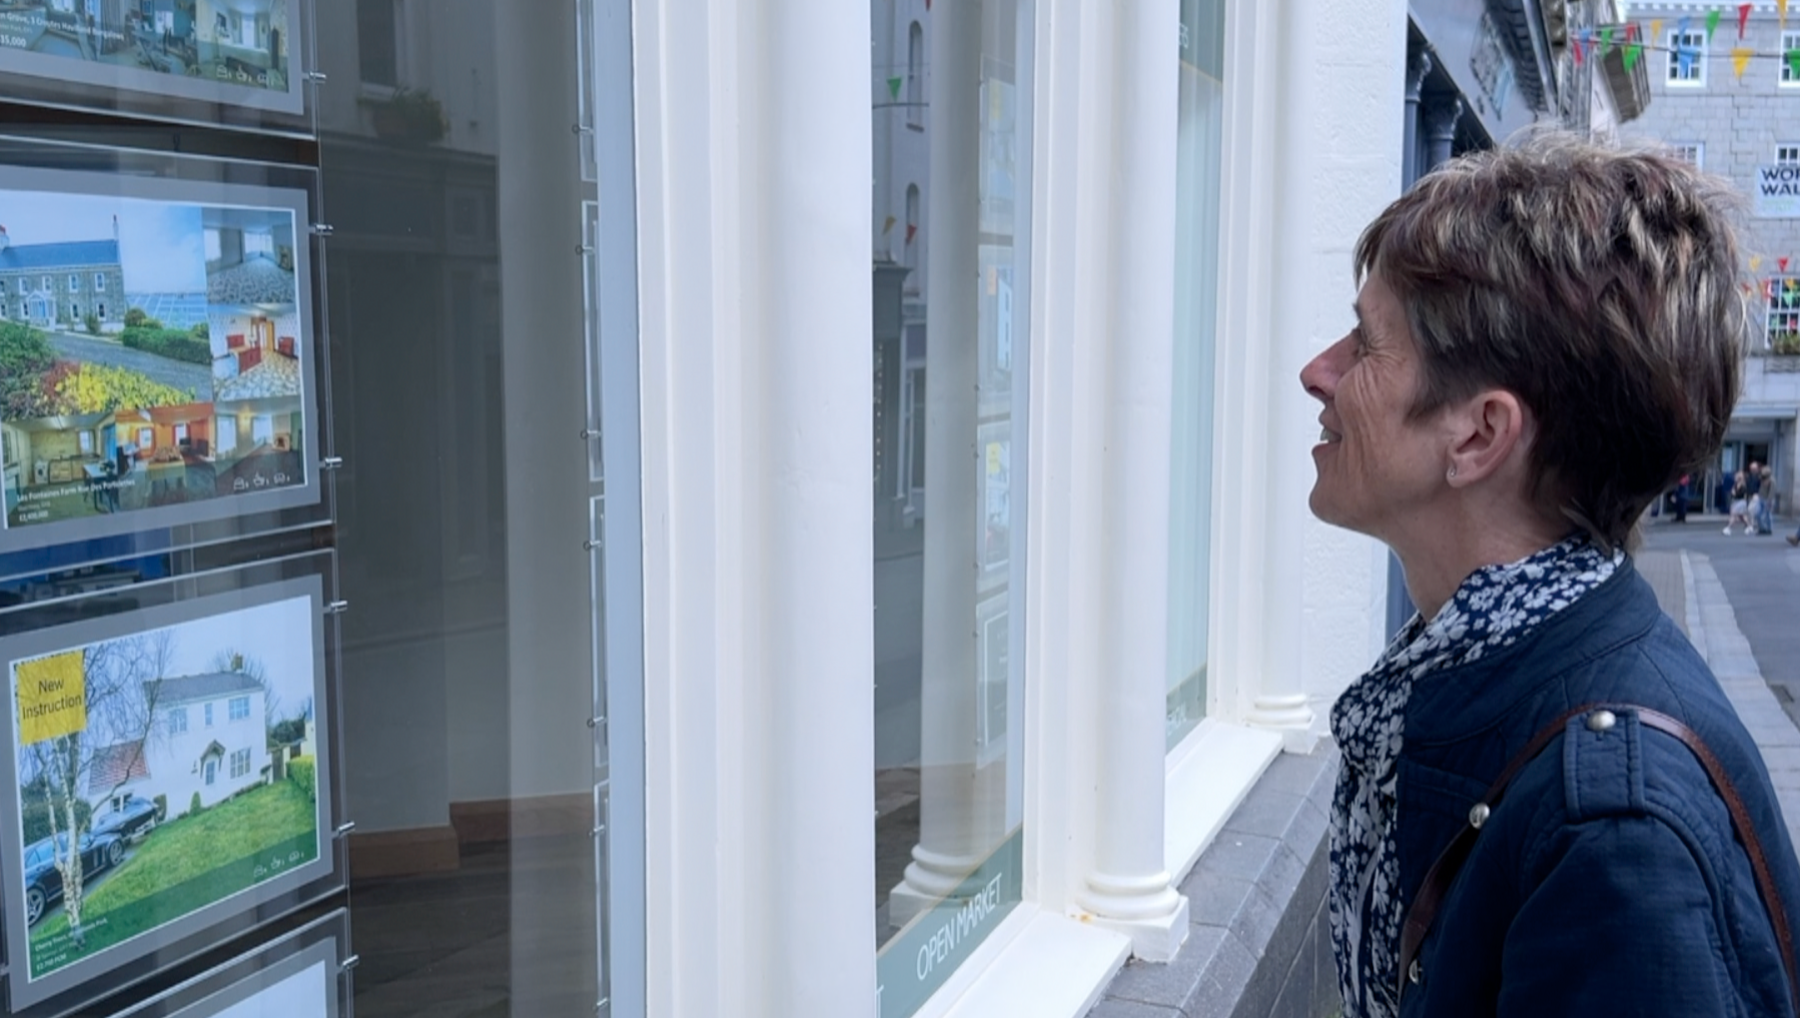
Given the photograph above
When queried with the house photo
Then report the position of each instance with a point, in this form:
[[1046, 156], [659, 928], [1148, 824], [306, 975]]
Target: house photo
[[261, 444], [256, 351], [244, 40], [249, 256]]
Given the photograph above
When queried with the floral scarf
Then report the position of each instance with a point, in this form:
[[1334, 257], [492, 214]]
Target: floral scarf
[[1494, 608]]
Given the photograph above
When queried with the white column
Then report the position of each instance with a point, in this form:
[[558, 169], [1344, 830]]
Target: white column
[[1127, 886], [957, 799], [754, 209]]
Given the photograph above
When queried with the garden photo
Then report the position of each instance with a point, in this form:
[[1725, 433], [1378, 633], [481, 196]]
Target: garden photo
[[160, 773]]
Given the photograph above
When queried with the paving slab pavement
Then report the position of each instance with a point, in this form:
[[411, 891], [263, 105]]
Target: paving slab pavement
[[1689, 588]]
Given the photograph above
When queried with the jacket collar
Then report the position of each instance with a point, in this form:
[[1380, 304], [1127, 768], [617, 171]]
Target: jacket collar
[[1459, 701]]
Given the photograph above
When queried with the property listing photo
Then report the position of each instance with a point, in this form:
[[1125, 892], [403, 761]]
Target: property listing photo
[[150, 35], [160, 772], [249, 257], [261, 444], [256, 351], [61, 468], [244, 41]]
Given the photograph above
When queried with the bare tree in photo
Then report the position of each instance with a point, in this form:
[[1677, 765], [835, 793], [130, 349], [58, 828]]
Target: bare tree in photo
[[121, 680]]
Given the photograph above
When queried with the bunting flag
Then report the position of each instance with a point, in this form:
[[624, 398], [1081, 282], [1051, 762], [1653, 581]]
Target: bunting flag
[[1755, 262], [1793, 59], [888, 227], [894, 87], [1581, 42], [912, 229], [1740, 58], [1685, 55], [1712, 22], [1782, 262], [1743, 19], [1655, 30], [1781, 9], [1606, 40], [1632, 51]]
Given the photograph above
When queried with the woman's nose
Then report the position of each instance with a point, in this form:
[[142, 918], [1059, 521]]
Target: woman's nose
[[1320, 376]]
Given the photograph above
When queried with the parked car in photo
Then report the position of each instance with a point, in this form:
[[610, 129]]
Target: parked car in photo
[[131, 819], [43, 881]]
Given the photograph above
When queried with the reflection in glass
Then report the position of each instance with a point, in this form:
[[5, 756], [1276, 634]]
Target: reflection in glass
[[1196, 287], [951, 260]]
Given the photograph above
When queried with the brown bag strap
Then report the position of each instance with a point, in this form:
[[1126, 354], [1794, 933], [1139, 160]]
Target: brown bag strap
[[1443, 871]]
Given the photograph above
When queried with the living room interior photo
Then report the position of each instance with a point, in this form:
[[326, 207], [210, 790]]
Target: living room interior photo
[[261, 443]]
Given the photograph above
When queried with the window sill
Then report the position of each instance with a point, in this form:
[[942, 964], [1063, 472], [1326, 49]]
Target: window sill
[[1208, 774], [1037, 963]]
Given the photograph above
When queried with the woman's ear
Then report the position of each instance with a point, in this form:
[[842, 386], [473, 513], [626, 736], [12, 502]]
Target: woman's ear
[[1486, 431]]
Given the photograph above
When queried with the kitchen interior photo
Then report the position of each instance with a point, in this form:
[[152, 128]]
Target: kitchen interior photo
[[164, 452]]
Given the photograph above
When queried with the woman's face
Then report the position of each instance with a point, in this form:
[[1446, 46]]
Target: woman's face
[[1377, 469]]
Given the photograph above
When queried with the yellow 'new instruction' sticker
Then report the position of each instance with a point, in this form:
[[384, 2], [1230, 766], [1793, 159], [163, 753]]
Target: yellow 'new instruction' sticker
[[52, 697]]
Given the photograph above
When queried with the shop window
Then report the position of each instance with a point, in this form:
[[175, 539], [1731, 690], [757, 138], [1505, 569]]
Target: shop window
[[1783, 293], [1790, 67], [950, 395], [1687, 59], [1198, 186]]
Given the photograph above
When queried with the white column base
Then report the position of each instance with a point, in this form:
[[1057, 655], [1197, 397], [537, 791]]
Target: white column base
[[1288, 714], [1154, 938], [930, 878]]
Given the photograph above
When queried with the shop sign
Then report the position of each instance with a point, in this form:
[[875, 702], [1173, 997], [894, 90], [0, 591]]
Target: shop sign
[[1777, 191], [916, 963]]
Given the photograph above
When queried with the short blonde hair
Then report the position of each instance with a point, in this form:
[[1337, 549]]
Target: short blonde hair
[[1599, 285]]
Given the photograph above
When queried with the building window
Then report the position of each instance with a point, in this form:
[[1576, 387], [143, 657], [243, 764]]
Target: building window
[[2, 287], [949, 613], [1787, 155], [215, 249], [212, 769], [240, 762], [240, 705], [176, 720], [74, 312], [378, 42], [209, 712], [915, 76], [181, 437], [1687, 59], [1691, 152], [1198, 154], [1790, 68], [1784, 314], [85, 439], [74, 282], [100, 310], [99, 282], [49, 284]]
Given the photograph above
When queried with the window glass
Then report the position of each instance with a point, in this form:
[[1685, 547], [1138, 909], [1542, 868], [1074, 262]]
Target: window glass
[[1783, 295], [1687, 58], [1200, 112], [951, 348], [1790, 67]]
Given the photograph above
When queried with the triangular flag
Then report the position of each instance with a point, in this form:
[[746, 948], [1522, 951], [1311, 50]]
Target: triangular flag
[[1681, 27], [1712, 22], [1655, 30], [911, 229], [1630, 30], [888, 227], [1686, 56], [1743, 18], [1580, 44], [894, 86], [1781, 9], [1606, 40], [1632, 52], [1740, 58], [1793, 59], [1755, 263], [1782, 262]]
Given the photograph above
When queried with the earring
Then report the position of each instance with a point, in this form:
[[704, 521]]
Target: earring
[[1451, 476]]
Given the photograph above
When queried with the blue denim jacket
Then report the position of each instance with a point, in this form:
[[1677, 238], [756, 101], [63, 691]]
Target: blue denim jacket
[[1608, 880]]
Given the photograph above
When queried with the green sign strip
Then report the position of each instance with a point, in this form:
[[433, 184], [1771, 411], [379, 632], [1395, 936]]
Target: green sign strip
[[916, 963]]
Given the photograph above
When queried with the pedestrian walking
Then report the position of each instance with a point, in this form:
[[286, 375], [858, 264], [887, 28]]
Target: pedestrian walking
[[1740, 503], [1681, 497], [1765, 509], [1522, 313]]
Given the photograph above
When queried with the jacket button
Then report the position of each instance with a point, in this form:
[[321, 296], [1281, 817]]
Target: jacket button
[[1601, 720], [1478, 815], [1414, 974]]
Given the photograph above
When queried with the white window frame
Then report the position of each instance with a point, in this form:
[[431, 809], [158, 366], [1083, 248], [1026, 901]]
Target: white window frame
[[208, 711], [1697, 40], [1787, 153], [99, 282], [238, 708], [1782, 315], [177, 719], [74, 282], [1690, 151], [240, 762], [49, 284], [1784, 71]]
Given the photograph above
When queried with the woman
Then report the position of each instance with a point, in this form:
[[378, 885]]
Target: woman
[[1546, 338], [1740, 503]]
